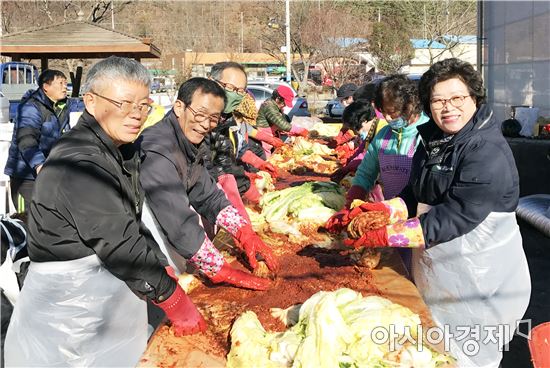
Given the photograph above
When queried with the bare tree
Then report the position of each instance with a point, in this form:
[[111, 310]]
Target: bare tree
[[440, 23], [339, 42], [316, 31], [304, 37], [390, 44]]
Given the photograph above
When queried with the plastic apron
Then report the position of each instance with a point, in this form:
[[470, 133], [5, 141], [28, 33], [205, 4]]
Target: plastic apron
[[395, 170], [77, 314], [175, 260], [8, 269], [478, 283]]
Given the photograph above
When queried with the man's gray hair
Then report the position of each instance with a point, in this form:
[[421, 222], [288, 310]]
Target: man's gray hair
[[218, 68], [115, 68]]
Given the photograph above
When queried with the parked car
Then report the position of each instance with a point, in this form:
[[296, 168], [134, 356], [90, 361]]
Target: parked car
[[16, 78], [269, 83], [334, 108], [155, 86], [273, 84], [4, 109], [262, 93], [415, 77]]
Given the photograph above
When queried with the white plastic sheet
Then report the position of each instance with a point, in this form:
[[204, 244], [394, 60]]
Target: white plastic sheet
[[479, 279], [175, 260], [527, 116], [15, 244], [76, 314]]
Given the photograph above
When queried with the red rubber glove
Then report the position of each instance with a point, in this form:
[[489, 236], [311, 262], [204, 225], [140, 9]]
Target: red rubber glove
[[272, 170], [239, 278], [252, 195], [252, 176], [269, 139], [337, 222], [250, 242], [180, 310], [229, 187], [298, 131], [367, 207], [250, 158], [402, 234], [341, 138], [373, 238]]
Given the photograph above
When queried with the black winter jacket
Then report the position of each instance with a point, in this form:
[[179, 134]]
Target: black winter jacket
[[87, 200], [223, 158], [464, 179], [174, 177]]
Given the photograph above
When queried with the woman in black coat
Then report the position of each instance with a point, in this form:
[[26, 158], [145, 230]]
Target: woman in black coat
[[468, 262]]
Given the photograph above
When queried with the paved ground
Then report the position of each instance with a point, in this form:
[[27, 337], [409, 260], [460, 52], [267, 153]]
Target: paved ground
[[537, 249]]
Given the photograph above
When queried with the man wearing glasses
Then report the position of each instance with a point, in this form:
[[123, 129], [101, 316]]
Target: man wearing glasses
[[174, 177], [92, 260], [233, 152]]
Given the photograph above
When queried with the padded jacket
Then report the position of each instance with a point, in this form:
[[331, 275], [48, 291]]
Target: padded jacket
[[464, 180], [87, 200], [37, 128], [174, 177]]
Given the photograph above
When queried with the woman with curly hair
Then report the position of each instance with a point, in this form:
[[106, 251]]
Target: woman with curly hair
[[468, 262], [390, 153], [389, 156]]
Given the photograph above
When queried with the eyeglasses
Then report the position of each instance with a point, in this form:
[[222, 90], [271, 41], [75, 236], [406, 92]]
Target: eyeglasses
[[231, 88], [127, 106], [201, 117], [456, 101]]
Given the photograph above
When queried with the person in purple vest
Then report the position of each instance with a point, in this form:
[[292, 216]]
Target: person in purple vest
[[389, 156], [468, 260], [388, 159]]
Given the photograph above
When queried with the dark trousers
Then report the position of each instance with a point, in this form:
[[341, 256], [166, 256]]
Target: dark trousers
[[21, 193]]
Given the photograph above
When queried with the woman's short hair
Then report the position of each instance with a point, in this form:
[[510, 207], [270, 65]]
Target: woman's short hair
[[401, 92], [115, 68], [204, 85], [448, 69], [356, 113]]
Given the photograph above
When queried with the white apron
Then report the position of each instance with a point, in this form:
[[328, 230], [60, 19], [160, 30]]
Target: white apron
[[175, 260], [8, 269], [477, 282], [76, 314]]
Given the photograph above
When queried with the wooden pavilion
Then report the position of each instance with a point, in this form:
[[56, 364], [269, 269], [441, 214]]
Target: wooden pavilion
[[76, 39]]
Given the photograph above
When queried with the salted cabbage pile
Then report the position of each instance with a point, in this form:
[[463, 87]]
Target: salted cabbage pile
[[334, 329]]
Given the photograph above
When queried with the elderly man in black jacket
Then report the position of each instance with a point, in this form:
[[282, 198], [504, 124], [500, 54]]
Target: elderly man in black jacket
[[174, 178], [92, 260]]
